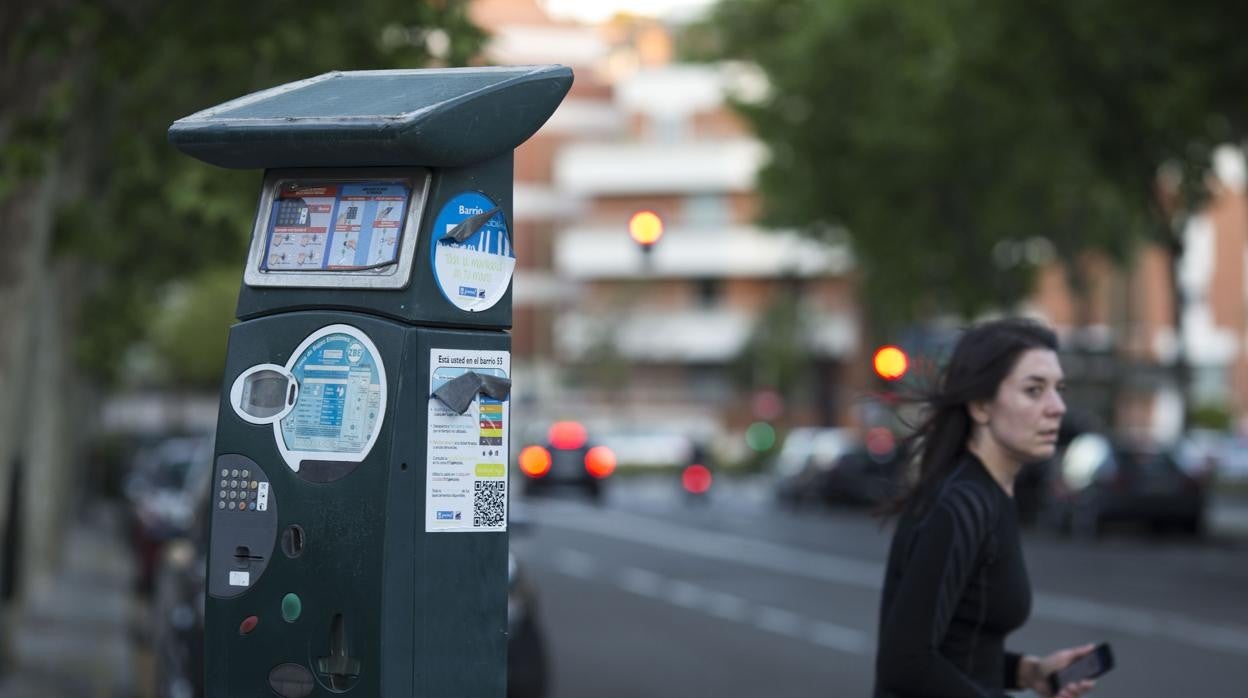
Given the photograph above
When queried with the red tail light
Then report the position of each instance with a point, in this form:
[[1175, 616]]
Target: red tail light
[[600, 462], [696, 479], [567, 436], [534, 461]]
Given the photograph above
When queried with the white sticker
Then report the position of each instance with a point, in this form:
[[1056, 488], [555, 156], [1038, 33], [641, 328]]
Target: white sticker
[[466, 457], [240, 579], [473, 280], [262, 497]]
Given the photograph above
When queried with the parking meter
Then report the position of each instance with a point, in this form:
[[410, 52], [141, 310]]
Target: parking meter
[[358, 537]]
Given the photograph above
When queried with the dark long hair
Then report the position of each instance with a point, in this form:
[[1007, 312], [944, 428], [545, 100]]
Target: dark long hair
[[983, 357]]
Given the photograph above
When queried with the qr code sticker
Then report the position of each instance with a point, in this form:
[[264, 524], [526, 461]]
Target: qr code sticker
[[488, 503]]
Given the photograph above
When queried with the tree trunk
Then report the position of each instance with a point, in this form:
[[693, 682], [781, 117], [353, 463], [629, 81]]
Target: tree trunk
[[25, 232]]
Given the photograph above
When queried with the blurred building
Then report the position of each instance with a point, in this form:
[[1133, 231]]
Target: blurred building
[[689, 333], [1122, 345]]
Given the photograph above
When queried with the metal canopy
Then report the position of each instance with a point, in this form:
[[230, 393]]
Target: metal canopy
[[438, 118]]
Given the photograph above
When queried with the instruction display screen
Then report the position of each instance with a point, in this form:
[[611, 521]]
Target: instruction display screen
[[466, 487], [341, 395], [326, 225]]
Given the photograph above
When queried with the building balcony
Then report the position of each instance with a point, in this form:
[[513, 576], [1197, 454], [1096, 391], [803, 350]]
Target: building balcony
[[724, 252], [679, 167], [689, 336]]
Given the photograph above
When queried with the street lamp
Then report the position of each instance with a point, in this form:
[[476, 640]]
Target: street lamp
[[645, 227]]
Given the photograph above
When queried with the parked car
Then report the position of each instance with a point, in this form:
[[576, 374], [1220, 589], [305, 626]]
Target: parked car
[[527, 663], [808, 453], [1100, 480], [567, 458], [178, 621], [161, 488], [865, 475]]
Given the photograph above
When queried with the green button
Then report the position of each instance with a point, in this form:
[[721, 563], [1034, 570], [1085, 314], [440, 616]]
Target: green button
[[291, 608]]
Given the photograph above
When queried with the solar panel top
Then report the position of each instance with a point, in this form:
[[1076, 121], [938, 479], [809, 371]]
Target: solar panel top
[[437, 117]]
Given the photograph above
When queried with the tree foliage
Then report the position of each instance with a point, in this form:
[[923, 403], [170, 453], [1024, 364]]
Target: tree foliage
[[92, 87], [964, 142]]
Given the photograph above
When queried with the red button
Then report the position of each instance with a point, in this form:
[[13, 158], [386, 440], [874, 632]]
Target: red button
[[248, 625]]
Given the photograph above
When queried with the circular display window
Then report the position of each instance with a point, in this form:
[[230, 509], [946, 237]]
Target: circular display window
[[264, 393], [341, 399]]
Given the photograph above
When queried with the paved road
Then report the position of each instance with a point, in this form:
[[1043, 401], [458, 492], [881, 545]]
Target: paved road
[[647, 596]]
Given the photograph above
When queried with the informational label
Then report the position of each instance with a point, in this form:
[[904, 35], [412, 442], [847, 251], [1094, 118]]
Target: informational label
[[342, 389], [466, 469], [262, 497], [239, 579], [473, 273], [335, 225]]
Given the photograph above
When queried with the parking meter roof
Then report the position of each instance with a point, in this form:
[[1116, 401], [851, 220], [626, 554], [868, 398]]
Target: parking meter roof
[[435, 117]]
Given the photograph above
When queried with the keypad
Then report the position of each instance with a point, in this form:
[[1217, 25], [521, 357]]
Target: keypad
[[238, 493]]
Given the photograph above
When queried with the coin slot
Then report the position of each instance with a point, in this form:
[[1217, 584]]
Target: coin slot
[[293, 541]]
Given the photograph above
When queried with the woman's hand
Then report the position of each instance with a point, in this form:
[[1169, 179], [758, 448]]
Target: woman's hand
[[1033, 672]]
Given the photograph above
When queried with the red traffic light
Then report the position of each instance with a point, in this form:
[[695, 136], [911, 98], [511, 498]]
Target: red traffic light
[[696, 479], [890, 363]]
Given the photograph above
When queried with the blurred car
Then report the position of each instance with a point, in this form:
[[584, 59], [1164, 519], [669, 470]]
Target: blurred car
[[1230, 458], [1100, 480], [1201, 452], [527, 665], [866, 474], [160, 489], [178, 614], [566, 459], [807, 455]]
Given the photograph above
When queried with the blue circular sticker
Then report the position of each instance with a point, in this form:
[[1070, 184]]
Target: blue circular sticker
[[471, 252]]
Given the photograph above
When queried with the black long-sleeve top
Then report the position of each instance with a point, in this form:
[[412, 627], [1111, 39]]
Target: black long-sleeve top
[[955, 586]]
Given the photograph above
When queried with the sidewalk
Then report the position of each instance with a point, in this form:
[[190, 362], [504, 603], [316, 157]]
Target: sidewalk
[[72, 638]]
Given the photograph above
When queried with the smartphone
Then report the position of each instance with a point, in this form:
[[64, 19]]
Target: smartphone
[[1089, 666]]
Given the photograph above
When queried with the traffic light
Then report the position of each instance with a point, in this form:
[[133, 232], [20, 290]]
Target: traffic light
[[645, 227], [890, 363]]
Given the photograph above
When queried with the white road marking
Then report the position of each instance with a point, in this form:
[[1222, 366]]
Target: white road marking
[[685, 595], [641, 582], [727, 607], [574, 563], [862, 574], [717, 604], [778, 621], [839, 637]]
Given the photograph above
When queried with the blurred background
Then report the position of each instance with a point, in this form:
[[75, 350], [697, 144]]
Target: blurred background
[[702, 422]]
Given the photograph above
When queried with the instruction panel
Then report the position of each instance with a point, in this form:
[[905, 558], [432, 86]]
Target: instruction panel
[[466, 467], [341, 395], [323, 225]]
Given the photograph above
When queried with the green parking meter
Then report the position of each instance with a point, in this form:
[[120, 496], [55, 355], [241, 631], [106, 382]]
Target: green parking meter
[[358, 537]]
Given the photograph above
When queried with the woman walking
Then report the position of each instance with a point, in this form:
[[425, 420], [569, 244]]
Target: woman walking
[[956, 584]]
